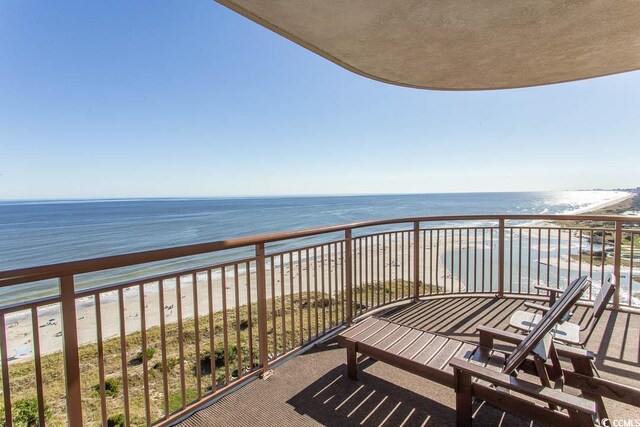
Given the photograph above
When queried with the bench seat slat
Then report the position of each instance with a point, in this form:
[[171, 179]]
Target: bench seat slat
[[359, 328], [405, 341], [442, 358], [393, 337], [431, 350], [417, 345], [463, 352], [374, 339], [371, 331]]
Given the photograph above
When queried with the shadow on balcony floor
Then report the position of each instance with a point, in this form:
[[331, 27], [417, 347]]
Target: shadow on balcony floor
[[312, 389]]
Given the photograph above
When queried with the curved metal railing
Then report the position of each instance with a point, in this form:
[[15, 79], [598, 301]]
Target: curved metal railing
[[152, 335]]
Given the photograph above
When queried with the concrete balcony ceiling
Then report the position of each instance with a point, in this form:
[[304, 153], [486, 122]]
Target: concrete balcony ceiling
[[461, 45]]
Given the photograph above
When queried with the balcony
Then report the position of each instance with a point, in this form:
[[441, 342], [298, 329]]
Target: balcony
[[148, 338]]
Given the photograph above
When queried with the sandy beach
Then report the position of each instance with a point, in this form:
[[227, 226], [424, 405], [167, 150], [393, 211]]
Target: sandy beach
[[49, 322]]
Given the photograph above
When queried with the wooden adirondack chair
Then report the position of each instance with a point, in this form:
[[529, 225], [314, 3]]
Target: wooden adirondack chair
[[481, 371], [566, 332], [474, 378]]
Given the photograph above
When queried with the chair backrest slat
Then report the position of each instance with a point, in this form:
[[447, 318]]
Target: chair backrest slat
[[603, 297], [570, 296]]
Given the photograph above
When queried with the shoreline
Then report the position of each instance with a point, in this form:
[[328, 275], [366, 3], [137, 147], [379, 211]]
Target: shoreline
[[19, 324]]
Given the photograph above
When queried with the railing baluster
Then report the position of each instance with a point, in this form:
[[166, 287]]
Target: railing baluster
[[262, 308], [283, 306], [349, 278], [501, 257], [475, 260], [212, 352], [292, 302], [300, 297], [71, 357], [416, 260], [459, 259], [308, 280], [145, 368], [616, 263], [38, 364], [236, 300], [247, 279], [196, 328], [384, 268], [274, 324], [539, 257], [437, 263], [6, 384], [324, 320], [123, 358], [631, 262], [183, 378], [163, 343], [529, 260], [520, 260], [590, 260], [490, 260], [484, 253], [330, 267], [315, 288], [559, 249], [225, 324], [569, 256]]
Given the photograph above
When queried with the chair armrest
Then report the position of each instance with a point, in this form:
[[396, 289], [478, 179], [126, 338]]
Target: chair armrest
[[535, 306], [573, 352], [548, 289], [489, 334], [545, 394]]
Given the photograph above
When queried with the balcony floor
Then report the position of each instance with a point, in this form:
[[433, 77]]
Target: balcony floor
[[312, 388]]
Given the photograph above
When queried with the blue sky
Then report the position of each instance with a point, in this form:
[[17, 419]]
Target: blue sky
[[186, 98]]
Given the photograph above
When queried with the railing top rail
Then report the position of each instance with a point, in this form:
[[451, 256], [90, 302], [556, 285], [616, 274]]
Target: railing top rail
[[30, 274]]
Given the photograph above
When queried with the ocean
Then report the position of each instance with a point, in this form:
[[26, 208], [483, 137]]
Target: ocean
[[45, 232]]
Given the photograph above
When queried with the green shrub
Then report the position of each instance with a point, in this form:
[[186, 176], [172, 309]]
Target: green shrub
[[116, 421], [205, 358], [111, 387], [150, 352], [172, 362], [25, 413]]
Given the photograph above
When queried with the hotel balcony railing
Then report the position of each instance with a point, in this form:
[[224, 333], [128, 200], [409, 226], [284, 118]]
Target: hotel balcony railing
[[214, 325]]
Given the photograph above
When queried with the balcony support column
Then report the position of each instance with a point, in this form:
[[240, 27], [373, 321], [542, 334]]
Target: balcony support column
[[261, 274], [348, 273], [500, 258], [71, 356]]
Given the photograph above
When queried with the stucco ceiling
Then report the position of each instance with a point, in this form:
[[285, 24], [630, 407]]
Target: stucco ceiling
[[461, 44]]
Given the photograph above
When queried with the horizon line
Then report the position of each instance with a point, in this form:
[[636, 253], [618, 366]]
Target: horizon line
[[282, 196]]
